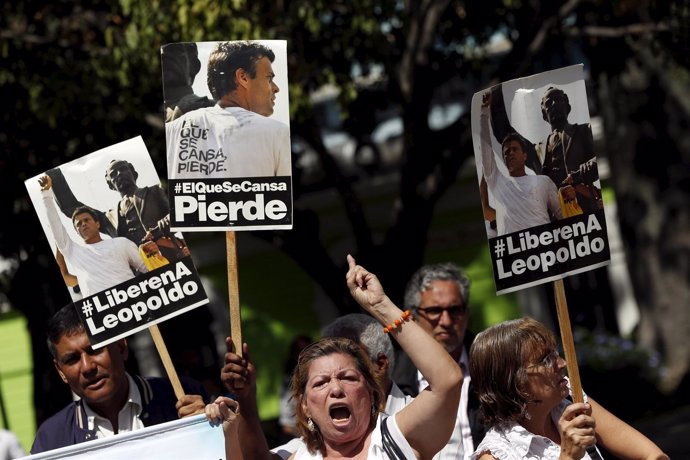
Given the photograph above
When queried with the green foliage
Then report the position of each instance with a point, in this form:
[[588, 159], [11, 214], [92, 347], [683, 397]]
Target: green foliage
[[79, 76], [16, 377], [268, 326]]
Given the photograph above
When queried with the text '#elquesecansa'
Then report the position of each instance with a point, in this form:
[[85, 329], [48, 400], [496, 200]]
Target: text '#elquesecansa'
[[236, 201]]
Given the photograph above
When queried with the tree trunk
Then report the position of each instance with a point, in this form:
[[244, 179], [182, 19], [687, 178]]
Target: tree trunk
[[645, 136]]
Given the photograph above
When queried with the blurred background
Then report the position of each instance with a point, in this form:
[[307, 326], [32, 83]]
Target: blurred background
[[383, 169]]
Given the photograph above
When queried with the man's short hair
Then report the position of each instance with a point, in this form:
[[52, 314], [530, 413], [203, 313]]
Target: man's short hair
[[366, 330], [226, 58], [84, 210], [64, 322], [135, 174], [514, 137], [422, 279]]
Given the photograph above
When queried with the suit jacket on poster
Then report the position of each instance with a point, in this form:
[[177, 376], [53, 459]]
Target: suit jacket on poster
[[578, 148], [152, 212]]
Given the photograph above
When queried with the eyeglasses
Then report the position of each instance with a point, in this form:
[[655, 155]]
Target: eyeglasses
[[434, 313], [549, 361]]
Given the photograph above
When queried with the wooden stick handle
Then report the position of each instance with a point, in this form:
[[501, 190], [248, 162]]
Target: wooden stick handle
[[233, 292], [167, 362], [567, 340]]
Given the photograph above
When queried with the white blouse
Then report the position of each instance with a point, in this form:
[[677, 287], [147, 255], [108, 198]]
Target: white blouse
[[375, 447], [511, 441]]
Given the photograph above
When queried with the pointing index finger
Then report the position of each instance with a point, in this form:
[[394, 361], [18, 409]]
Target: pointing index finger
[[351, 262]]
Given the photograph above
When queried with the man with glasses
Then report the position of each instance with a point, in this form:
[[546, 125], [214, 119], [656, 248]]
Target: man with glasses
[[438, 295]]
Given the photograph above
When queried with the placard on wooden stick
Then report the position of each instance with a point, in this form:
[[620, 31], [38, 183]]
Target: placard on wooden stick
[[233, 292], [167, 362], [106, 218], [538, 179], [229, 163], [567, 340]]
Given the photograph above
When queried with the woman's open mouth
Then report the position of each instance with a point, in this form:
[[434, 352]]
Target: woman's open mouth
[[339, 413]]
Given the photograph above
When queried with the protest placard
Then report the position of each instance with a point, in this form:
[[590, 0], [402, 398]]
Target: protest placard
[[184, 439], [227, 129], [539, 186], [538, 177], [106, 218], [228, 135]]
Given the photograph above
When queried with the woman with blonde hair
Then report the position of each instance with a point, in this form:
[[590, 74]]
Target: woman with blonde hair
[[339, 400]]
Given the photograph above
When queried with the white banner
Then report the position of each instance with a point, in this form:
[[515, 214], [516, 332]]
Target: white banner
[[184, 439]]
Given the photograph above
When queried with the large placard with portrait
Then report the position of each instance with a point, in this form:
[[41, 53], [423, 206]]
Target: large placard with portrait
[[107, 220], [539, 179], [227, 131]]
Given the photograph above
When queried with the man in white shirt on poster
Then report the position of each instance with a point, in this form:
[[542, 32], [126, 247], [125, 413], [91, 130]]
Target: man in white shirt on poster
[[98, 264], [234, 138], [522, 200]]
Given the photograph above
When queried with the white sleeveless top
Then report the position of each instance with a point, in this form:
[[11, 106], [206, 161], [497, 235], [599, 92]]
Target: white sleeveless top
[[376, 450]]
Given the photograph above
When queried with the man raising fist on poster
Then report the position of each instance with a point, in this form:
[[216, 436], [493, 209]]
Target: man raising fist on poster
[[98, 264], [522, 200]]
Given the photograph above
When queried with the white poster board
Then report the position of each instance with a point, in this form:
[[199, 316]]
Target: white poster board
[[184, 439], [538, 178], [228, 135]]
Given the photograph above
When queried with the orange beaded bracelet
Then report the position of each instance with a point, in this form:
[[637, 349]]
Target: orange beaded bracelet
[[398, 322]]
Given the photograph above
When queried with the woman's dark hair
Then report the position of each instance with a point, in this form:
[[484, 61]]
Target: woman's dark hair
[[498, 358]]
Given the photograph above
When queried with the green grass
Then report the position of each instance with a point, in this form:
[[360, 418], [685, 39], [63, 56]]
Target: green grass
[[16, 378]]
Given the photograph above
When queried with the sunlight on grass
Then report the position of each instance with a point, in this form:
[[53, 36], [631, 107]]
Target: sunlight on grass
[[16, 378]]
